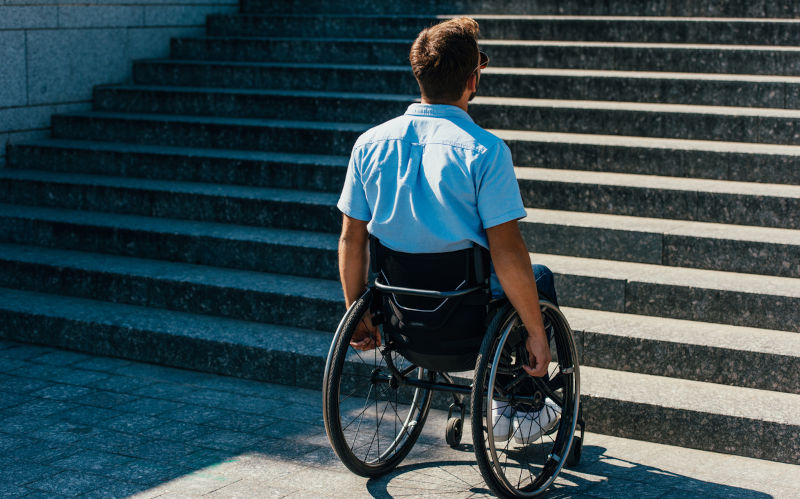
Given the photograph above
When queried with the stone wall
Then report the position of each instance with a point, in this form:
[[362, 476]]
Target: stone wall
[[52, 52]]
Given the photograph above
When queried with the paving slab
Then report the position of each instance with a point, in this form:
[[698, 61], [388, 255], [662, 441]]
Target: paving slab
[[284, 451]]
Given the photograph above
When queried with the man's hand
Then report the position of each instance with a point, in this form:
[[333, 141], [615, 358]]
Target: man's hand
[[366, 336], [538, 355]]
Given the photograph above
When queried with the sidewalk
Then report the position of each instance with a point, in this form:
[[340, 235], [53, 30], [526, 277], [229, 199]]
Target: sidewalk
[[81, 425]]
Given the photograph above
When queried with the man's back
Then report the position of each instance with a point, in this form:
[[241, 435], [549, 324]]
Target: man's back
[[431, 181]]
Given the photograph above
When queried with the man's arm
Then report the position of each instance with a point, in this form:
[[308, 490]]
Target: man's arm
[[353, 258], [353, 265], [513, 267]]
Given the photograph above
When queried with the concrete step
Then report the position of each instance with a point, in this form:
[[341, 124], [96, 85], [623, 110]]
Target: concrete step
[[695, 414], [261, 249], [714, 353], [683, 8], [667, 157], [735, 161], [761, 125], [304, 137], [238, 204], [622, 56], [718, 201], [253, 350], [699, 295], [568, 84], [758, 31], [712, 296], [251, 168], [731, 248], [685, 412], [281, 299]]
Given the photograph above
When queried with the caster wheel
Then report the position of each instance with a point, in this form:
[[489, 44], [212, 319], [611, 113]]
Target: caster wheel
[[575, 453], [455, 427]]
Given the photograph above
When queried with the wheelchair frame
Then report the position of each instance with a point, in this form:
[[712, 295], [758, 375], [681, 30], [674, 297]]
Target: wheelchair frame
[[505, 324]]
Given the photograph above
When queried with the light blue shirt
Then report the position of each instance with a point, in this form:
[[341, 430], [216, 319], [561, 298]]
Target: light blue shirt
[[430, 181]]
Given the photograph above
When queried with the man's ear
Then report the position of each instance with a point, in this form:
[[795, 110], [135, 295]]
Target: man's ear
[[472, 82]]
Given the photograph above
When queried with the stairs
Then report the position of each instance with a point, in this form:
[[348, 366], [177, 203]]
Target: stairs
[[189, 219]]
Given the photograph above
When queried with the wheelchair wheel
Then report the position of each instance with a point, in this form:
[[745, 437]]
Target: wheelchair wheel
[[371, 420], [525, 460], [452, 434]]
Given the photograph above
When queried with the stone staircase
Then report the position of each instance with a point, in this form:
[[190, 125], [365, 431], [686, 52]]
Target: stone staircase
[[189, 218]]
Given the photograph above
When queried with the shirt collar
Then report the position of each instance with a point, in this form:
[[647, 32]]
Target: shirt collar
[[437, 111]]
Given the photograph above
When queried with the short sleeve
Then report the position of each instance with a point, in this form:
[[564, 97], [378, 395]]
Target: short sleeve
[[499, 200], [353, 201]]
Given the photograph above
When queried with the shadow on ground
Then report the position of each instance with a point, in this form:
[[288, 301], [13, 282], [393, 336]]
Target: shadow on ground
[[81, 425], [599, 475]]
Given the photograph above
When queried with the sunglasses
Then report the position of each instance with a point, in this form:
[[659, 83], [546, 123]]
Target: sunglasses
[[483, 61]]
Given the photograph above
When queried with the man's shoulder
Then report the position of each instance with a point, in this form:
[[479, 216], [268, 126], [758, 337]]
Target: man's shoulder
[[388, 130], [461, 133]]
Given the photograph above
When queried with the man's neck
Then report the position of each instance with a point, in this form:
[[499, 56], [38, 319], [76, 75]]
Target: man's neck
[[459, 103]]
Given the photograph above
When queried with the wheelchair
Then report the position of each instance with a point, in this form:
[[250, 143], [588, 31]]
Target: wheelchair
[[436, 317]]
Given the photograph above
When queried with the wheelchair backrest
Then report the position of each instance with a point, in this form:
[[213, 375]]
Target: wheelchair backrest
[[441, 332]]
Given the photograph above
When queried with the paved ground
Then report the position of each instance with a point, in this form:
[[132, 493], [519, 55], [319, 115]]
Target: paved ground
[[80, 425]]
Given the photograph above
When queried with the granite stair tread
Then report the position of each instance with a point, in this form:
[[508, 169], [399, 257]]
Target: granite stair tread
[[170, 226], [508, 135], [527, 71], [658, 182], [673, 276], [260, 282], [529, 43], [702, 57], [183, 118], [191, 333], [609, 85], [746, 124], [649, 142], [521, 102], [691, 395], [716, 353], [740, 30], [731, 8], [665, 226], [685, 332], [123, 147], [199, 188], [544, 17]]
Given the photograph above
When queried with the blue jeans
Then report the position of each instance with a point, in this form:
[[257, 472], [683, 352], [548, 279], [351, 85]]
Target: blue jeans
[[544, 283]]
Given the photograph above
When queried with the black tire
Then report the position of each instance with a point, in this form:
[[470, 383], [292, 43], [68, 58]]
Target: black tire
[[516, 467], [455, 428], [371, 424]]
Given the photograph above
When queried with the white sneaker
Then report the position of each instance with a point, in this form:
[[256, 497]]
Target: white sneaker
[[530, 426], [501, 420]]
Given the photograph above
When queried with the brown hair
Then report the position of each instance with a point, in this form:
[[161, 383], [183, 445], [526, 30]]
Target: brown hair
[[444, 56]]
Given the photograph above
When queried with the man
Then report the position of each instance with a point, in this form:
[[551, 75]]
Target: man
[[433, 181]]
